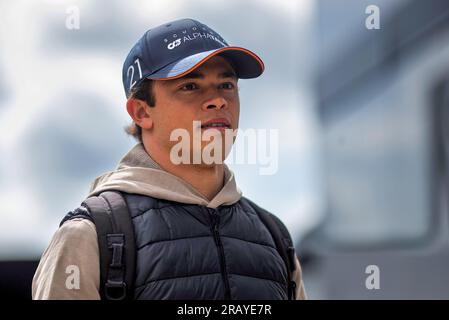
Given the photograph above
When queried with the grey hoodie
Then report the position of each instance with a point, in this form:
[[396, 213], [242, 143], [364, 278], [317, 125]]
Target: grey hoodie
[[74, 246]]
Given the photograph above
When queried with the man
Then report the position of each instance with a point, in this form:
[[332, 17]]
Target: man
[[195, 236]]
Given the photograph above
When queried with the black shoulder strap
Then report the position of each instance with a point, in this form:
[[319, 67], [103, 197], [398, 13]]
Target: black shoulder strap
[[283, 241], [80, 212], [116, 244]]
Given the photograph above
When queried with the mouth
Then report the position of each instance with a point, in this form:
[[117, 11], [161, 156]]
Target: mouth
[[219, 124]]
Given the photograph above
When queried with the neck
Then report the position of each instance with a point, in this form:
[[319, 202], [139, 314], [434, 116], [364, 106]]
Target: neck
[[206, 179]]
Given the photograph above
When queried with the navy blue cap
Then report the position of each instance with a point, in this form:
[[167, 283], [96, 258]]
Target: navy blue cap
[[172, 50]]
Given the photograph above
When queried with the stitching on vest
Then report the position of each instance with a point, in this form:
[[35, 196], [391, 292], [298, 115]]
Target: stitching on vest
[[244, 205], [161, 208], [206, 235], [144, 212], [249, 276], [254, 212], [255, 242], [152, 242], [177, 277]]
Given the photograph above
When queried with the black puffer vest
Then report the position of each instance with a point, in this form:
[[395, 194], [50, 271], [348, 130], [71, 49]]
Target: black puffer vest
[[192, 252]]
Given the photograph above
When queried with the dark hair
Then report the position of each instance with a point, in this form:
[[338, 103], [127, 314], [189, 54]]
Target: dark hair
[[144, 92]]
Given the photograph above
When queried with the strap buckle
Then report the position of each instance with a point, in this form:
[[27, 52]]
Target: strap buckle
[[115, 286], [116, 243], [115, 290]]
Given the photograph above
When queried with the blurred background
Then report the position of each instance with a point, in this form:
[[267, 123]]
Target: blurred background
[[361, 115]]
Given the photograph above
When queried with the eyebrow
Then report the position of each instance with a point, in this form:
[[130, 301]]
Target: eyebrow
[[199, 75]]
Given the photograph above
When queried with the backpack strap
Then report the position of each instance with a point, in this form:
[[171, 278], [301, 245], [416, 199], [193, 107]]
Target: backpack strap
[[283, 242], [80, 212], [116, 243]]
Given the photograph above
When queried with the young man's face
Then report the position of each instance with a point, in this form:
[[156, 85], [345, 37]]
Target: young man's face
[[209, 92]]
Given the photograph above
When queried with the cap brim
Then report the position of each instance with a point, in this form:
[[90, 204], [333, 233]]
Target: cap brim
[[247, 64]]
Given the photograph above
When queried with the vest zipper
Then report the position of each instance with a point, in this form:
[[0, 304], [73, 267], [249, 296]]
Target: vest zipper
[[217, 239]]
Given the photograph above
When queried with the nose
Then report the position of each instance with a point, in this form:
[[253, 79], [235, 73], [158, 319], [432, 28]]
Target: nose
[[218, 102]]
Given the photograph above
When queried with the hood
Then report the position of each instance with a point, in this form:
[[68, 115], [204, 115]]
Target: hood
[[138, 173]]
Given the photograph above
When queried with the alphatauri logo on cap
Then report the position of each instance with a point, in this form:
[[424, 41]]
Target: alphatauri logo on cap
[[174, 44], [184, 37]]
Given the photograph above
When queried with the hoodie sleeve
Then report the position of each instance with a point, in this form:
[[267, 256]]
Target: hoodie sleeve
[[70, 267], [297, 277]]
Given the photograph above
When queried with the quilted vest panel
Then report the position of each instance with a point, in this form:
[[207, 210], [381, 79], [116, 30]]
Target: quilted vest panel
[[194, 252]]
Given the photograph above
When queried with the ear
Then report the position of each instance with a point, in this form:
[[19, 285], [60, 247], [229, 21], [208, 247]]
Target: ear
[[138, 111]]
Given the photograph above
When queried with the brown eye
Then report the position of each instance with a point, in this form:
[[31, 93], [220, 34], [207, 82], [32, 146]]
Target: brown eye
[[228, 85], [189, 87]]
